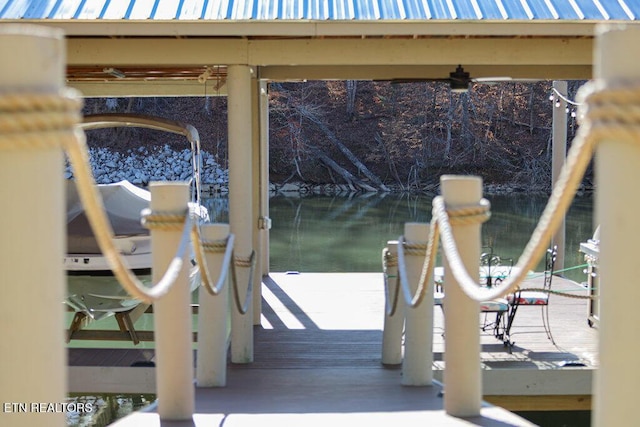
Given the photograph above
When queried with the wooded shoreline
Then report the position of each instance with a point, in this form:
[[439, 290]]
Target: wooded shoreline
[[364, 136]]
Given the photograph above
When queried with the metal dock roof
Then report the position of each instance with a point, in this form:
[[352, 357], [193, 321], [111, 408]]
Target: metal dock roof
[[321, 10]]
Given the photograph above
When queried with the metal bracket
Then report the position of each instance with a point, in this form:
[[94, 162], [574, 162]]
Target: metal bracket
[[264, 223]]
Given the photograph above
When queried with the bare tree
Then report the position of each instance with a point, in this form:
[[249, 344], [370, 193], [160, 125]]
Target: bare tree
[[352, 88], [343, 149]]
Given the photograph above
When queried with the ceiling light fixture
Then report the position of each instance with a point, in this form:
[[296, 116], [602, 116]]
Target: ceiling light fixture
[[459, 80]]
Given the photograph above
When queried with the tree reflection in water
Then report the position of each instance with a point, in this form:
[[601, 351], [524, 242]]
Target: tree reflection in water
[[347, 233]]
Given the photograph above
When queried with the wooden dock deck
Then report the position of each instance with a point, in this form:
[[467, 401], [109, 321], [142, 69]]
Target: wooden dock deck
[[318, 352]]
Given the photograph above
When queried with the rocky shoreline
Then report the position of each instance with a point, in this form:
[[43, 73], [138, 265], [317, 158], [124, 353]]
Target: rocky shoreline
[[143, 165]]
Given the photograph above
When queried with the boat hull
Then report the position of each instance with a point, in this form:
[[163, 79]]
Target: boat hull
[[92, 288], [98, 294]]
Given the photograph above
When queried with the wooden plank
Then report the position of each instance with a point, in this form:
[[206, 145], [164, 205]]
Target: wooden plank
[[113, 335], [319, 397], [105, 357], [332, 322], [580, 402]]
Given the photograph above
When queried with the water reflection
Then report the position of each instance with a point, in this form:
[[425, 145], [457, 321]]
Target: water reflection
[[514, 218], [347, 234], [338, 234]]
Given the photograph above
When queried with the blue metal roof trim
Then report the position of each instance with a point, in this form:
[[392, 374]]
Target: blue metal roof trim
[[340, 10], [439, 9], [214, 11], [490, 10], [565, 9], [541, 10], [8, 10], [468, 10], [321, 10], [88, 9], [415, 9], [393, 8], [514, 10], [633, 7], [366, 11], [616, 11], [36, 10]]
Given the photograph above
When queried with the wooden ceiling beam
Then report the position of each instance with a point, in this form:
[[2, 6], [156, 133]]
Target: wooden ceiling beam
[[155, 52], [157, 64]]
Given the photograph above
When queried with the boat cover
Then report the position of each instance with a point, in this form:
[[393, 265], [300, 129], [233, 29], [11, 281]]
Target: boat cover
[[123, 202]]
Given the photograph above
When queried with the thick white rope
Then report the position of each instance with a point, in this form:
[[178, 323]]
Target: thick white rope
[[391, 303], [38, 121], [250, 262], [201, 246], [461, 215], [410, 299]]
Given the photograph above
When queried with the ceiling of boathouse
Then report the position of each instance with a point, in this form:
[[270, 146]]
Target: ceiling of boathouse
[[182, 47]]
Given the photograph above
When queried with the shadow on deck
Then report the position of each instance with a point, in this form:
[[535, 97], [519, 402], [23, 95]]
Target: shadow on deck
[[317, 361]]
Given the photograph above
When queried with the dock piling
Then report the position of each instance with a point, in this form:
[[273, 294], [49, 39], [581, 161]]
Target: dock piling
[[241, 212], [32, 230], [213, 318], [462, 375], [617, 204], [417, 368], [172, 319], [393, 323]]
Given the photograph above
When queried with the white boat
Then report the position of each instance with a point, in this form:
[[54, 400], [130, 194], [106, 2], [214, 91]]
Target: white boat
[[92, 290]]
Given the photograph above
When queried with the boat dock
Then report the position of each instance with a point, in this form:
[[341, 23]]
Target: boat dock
[[317, 359]]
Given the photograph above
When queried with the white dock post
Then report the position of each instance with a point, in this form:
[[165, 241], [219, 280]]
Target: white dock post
[[265, 225], [559, 155], [213, 318], [32, 242], [262, 200], [172, 312], [617, 206], [257, 113], [462, 375], [241, 212], [392, 330], [417, 368]]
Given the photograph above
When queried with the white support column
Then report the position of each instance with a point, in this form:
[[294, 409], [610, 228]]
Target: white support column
[[172, 312], [417, 368], [617, 205], [256, 123], [32, 243], [559, 152], [213, 318], [462, 375], [241, 212], [264, 175], [392, 330]]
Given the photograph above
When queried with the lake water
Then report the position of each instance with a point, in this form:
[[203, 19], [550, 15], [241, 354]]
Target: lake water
[[347, 234]]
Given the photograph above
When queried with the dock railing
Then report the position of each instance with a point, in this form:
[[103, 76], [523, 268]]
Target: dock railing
[[610, 121], [38, 124]]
